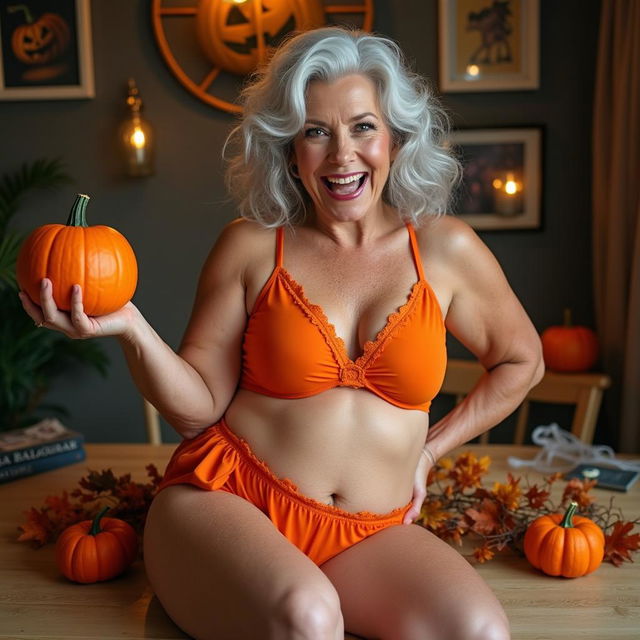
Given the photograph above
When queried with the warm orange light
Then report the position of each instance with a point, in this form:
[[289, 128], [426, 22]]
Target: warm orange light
[[509, 186], [138, 139], [473, 70], [508, 195]]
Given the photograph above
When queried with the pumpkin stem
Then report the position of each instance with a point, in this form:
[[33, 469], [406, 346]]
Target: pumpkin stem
[[77, 216], [95, 525], [567, 318], [567, 521], [22, 7]]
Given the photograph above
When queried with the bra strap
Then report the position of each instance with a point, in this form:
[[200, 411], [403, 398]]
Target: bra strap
[[279, 246], [415, 250]]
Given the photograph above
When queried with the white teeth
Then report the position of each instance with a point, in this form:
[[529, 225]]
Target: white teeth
[[347, 180]]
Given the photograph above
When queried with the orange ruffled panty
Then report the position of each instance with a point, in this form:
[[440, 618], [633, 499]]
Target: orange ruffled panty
[[218, 460]]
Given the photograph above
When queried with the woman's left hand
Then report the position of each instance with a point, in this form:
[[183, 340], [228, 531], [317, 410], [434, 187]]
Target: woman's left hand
[[419, 487]]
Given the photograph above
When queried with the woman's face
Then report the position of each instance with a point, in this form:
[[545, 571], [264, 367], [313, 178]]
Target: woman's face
[[345, 148]]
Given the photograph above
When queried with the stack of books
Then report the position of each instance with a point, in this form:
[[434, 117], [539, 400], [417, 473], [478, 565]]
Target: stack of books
[[41, 447]]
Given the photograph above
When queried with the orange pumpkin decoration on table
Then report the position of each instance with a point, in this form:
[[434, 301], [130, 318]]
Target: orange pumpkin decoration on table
[[97, 258], [238, 36], [96, 550], [569, 348], [564, 545], [39, 41]]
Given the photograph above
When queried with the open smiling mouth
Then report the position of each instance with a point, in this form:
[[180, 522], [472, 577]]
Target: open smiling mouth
[[345, 187]]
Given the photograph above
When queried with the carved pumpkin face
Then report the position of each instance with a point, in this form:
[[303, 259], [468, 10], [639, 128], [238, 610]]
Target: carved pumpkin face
[[238, 37], [40, 41]]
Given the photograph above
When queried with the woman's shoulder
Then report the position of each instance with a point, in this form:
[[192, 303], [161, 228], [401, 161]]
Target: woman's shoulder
[[447, 237], [240, 244], [242, 230], [454, 248], [243, 237]]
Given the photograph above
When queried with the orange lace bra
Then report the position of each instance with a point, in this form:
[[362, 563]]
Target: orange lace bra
[[290, 349]]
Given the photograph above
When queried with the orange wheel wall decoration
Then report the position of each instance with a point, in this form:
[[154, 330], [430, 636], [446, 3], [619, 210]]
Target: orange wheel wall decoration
[[221, 41]]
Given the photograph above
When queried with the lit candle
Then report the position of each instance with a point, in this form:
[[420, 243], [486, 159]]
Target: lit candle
[[508, 195]]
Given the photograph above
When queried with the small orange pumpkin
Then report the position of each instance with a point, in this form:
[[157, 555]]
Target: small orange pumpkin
[[97, 258], [569, 348], [96, 550], [569, 545]]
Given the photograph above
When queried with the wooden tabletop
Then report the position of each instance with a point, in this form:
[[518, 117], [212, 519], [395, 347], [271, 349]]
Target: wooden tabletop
[[36, 602]]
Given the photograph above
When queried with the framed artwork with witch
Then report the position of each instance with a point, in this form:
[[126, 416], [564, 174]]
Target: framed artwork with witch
[[45, 50], [488, 45]]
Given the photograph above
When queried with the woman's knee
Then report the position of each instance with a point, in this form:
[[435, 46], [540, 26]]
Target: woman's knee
[[482, 625], [308, 611], [463, 623]]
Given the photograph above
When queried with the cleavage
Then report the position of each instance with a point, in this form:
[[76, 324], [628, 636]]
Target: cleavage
[[373, 314]]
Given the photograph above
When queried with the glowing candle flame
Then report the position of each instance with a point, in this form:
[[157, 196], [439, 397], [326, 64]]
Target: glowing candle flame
[[511, 187], [137, 138]]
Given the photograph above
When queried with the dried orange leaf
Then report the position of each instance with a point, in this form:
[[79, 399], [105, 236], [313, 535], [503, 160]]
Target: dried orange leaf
[[619, 544]]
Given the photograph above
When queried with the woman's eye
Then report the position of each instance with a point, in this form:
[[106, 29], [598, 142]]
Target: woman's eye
[[314, 132], [365, 126]]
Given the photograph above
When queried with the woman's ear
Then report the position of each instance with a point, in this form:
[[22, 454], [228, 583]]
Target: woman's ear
[[293, 165], [395, 147]]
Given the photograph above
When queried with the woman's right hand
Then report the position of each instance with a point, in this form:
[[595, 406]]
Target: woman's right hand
[[76, 323]]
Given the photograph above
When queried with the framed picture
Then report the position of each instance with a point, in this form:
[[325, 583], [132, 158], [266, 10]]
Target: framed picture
[[45, 50], [502, 183], [488, 45]]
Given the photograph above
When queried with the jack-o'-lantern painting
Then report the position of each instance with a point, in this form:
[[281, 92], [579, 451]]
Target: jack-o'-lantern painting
[[238, 36], [38, 42]]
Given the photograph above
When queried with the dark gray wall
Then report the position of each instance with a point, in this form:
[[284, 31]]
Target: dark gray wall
[[172, 218]]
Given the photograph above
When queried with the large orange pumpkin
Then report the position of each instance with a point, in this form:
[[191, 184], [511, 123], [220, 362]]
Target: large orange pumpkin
[[569, 348], [569, 545], [96, 550], [237, 37], [39, 41], [97, 258]]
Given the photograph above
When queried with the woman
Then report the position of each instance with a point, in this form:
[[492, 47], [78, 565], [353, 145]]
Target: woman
[[317, 341]]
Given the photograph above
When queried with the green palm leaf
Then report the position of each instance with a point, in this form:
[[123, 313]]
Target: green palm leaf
[[40, 174], [9, 248], [30, 357]]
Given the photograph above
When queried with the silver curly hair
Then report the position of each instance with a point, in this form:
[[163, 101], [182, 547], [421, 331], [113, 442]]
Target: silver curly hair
[[258, 174]]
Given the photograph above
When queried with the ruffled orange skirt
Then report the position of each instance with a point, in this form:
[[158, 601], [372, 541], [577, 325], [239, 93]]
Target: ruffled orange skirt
[[218, 460]]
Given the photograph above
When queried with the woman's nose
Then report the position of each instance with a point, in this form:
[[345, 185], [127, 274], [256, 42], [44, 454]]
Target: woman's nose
[[342, 149]]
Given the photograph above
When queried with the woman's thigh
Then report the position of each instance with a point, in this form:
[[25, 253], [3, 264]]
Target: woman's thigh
[[222, 570], [404, 583]]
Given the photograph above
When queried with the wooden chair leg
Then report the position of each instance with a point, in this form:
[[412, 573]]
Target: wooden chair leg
[[586, 415], [152, 423], [521, 423]]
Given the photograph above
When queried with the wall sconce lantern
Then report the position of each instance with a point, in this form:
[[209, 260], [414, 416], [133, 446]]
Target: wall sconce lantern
[[136, 137]]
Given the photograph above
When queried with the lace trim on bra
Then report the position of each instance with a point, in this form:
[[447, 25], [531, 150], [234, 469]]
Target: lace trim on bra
[[314, 313], [286, 485], [395, 321], [318, 317]]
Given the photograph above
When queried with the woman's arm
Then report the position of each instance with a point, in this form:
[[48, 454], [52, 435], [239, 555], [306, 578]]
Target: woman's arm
[[191, 388], [485, 316]]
